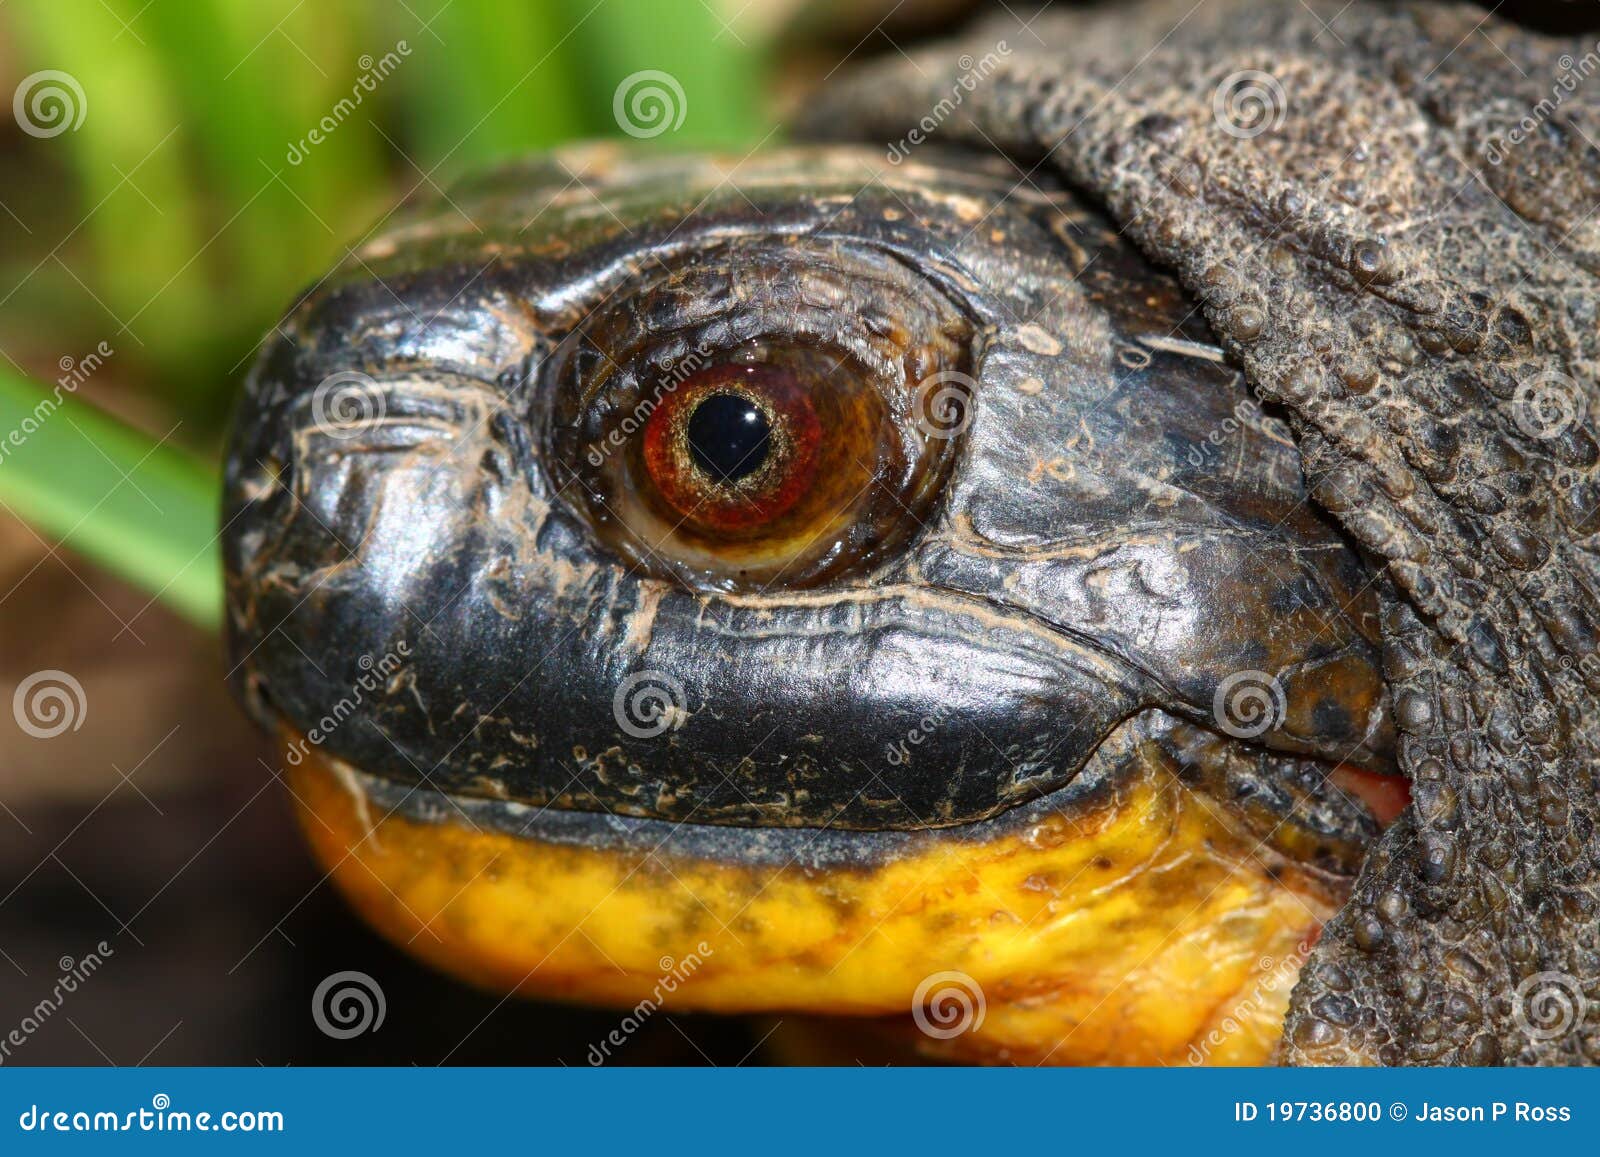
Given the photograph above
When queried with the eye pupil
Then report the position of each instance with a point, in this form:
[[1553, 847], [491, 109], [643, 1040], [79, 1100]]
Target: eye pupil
[[729, 436]]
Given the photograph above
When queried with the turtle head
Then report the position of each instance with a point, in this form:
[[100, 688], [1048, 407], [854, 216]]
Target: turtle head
[[752, 560]]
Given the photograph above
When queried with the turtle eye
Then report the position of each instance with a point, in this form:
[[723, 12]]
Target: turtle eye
[[734, 448], [734, 426], [774, 461]]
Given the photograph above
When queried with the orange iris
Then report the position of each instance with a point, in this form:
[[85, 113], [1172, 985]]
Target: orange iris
[[734, 447]]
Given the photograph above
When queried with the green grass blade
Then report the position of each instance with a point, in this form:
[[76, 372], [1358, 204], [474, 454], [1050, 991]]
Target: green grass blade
[[717, 73], [248, 97], [489, 79], [135, 506]]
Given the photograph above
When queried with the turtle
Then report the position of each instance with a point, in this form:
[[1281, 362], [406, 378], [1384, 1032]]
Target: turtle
[[1085, 553]]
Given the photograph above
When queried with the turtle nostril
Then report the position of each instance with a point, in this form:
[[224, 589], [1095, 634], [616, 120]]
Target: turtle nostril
[[728, 436]]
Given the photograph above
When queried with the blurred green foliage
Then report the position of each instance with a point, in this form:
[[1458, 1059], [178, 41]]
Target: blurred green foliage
[[110, 493], [181, 215]]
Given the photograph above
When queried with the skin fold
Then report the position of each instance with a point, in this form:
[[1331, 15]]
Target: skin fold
[[979, 715], [1405, 259]]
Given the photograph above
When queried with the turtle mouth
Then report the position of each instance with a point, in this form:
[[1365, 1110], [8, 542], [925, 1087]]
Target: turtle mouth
[[1384, 794], [1138, 914], [1320, 814]]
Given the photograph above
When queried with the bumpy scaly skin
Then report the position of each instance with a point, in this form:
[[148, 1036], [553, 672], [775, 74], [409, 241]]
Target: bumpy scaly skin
[[1372, 271]]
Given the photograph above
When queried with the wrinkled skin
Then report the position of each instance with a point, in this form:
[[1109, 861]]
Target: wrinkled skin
[[994, 746], [1079, 561], [1392, 264], [1046, 599]]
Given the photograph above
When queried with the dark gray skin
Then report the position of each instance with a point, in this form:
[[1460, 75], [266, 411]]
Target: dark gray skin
[[1044, 594], [1406, 260], [1085, 551]]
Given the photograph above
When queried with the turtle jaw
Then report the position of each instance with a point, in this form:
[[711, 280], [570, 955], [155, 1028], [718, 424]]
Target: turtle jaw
[[1125, 919]]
